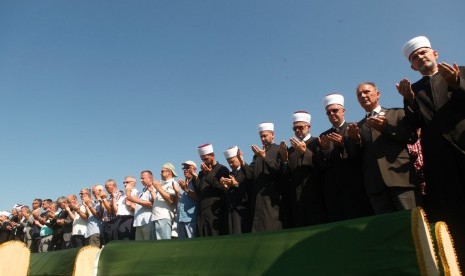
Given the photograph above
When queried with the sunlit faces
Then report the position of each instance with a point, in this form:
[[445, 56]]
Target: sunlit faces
[[110, 186], [146, 178], [234, 163], [367, 96], [335, 113], [267, 137], [187, 170], [424, 60], [301, 129]]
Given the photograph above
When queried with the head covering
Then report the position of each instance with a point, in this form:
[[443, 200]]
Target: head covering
[[333, 99], [170, 167], [301, 116], [17, 206], [205, 149], [231, 152], [265, 126], [189, 163], [5, 213], [415, 43]]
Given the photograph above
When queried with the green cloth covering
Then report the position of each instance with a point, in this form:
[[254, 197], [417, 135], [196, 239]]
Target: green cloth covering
[[53, 263], [378, 245]]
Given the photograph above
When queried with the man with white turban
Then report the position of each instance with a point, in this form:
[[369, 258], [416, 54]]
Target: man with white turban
[[343, 190], [435, 104]]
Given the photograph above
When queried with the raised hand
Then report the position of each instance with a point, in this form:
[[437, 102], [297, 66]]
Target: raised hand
[[450, 73], [206, 168], [405, 89], [299, 146], [353, 132], [283, 151], [324, 141], [258, 151], [336, 138], [378, 122]]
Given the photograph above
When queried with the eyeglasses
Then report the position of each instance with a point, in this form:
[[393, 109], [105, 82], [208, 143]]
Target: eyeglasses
[[164, 171], [127, 182], [299, 127], [331, 111]]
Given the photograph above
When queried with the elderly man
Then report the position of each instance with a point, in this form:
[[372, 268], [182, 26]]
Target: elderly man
[[212, 219], [267, 187], [435, 104], [143, 209], [95, 214], [301, 169], [109, 215], [344, 193], [187, 201], [79, 216], [384, 135], [239, 187], [164, 200]]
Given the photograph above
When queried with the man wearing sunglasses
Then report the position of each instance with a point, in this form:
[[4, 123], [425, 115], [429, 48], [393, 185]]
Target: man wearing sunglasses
[[343, 190]]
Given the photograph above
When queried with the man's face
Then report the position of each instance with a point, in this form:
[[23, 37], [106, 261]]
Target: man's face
[[368, 97], [234, 163], [301, 129], [35, 204], [84, 194], [110, 187], [267, 137], [207, 159], [146, 179], [423, 60], [45, 205], [96, 191], [188, 171], [165, 174], [129, 183], [335, 113]]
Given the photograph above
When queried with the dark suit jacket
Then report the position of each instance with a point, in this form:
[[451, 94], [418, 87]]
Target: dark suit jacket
[[386, 161]]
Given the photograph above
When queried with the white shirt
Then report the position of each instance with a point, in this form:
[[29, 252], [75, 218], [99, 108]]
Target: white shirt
[[79, 224], [123, 209], [162, 209], [143, 214]]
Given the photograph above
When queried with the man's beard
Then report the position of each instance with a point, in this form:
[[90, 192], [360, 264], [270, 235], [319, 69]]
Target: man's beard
[[427, 67]]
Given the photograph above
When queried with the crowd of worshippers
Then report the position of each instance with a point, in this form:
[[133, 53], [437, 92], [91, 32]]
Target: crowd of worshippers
[[352, 170]]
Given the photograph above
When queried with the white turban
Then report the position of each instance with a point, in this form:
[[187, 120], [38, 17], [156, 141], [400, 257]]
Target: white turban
[[265, 126], [333, 99], [301, 116], [415, 43], [205, 149], [231, 152]]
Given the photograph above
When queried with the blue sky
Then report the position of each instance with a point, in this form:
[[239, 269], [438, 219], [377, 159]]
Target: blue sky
[[91, 90]]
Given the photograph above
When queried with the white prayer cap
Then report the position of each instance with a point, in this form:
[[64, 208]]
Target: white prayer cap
[[231, 152], [301, 116], [265, 126], [5, 213], [17, 206], [333, 99], [205, 149], [415, 43]]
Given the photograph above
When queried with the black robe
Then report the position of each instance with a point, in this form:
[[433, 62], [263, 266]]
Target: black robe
[[212, 216], [239, 204], [305, 186], [439, 110], [343, 189], [267, 190]]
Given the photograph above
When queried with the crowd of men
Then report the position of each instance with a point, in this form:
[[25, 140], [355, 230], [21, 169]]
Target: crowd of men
[[371, 167]]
